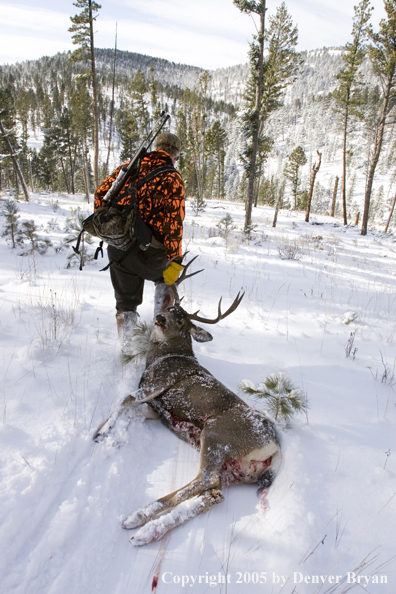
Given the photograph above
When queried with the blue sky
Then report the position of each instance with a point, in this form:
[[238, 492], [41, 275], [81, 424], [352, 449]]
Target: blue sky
[[207, 33]]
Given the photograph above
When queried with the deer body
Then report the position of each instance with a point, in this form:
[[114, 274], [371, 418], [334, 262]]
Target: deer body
[[237, 444]]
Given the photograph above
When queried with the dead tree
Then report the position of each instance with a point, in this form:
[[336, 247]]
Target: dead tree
[[333, 202], [315, 169], [390, 215]]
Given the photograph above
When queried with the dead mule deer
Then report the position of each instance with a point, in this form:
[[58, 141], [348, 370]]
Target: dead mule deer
[[237, 443]]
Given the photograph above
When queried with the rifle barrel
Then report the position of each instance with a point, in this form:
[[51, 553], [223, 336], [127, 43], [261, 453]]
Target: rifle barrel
[[124, 173]]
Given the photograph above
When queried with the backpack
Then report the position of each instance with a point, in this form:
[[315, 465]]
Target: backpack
[[121, 226]]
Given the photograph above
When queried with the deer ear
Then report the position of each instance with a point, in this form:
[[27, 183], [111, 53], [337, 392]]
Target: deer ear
[[199, 334]]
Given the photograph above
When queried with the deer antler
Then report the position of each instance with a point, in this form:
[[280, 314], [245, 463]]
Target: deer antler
[[184, 274], [220, 316]]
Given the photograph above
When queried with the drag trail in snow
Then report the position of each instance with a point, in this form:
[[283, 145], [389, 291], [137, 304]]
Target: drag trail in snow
[[332, 504]]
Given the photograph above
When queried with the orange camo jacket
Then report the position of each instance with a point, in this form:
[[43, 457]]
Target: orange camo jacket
[[160, 202]]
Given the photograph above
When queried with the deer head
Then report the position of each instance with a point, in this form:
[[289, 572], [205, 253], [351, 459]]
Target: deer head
[[175, 322]]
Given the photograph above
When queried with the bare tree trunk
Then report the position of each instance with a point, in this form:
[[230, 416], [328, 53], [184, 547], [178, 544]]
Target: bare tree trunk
[[95, 100], [85, 174], [333, 203], [72, 165], [112, 104], [18, 171], [376, 155], [65, 176], [257, 108], [343, 191], [315, 169], [16, 180], [31, 173], [390, 214], [280, 194], [357, 219], [257, 191]]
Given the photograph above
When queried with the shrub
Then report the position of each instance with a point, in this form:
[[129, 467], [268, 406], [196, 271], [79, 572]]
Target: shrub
[[290, 250]]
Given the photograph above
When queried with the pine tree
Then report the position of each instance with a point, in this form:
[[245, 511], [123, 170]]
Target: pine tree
[[348, 94], [382, 54], [28, 235], [8, 137], [252, 119], [82, 128], [10, 213], [296, 160], [133, 117], [84, 37], [266, 86], [112, 105], [215, 146], [192, 129]]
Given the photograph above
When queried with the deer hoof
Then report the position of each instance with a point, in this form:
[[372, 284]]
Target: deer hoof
[[142, 516]]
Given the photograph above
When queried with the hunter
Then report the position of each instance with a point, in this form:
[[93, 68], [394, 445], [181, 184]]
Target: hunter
[[160, 204]]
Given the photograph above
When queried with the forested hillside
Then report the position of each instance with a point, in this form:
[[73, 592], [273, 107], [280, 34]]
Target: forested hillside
[[46, 106]]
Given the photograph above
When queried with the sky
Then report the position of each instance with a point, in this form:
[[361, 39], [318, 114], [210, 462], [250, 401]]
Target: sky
[[208, 33]]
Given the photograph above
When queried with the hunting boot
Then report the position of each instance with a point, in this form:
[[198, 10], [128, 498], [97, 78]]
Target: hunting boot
[[126, 323]]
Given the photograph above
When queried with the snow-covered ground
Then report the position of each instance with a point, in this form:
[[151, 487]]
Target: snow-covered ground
[[332, 508]]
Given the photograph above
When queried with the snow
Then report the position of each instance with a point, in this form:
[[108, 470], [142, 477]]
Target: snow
[[332, 507]]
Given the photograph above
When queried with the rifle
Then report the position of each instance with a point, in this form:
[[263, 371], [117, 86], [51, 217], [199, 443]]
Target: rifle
[[128, 171]]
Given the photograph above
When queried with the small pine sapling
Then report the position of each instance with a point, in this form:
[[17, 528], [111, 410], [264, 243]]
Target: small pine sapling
[[73, 227], [139, 343], [225, 226], [10, 213], [198, 205], [248, 231], [283, 398], [28, 236]]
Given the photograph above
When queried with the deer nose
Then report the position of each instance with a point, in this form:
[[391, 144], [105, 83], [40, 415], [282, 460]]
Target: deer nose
[[161, 319]]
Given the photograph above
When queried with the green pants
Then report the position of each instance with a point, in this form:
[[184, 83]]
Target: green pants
[[128, 277]]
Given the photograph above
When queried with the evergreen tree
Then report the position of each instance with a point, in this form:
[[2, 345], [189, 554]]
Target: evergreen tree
[[82, 128], [347, 94], [84, 37], [138, 89], [278, 70], [252, 118], [216, 142], [10, 213], [28, 235], [192, 129], [296, 160], [8, 138], [112, 105], [133, 117], [382, 54]]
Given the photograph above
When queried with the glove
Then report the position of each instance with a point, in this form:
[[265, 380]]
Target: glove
[[171, 273]]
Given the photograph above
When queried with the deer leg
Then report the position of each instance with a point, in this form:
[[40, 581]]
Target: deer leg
[[208, 478], [164, 297], [158, 527], [105, 428]]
